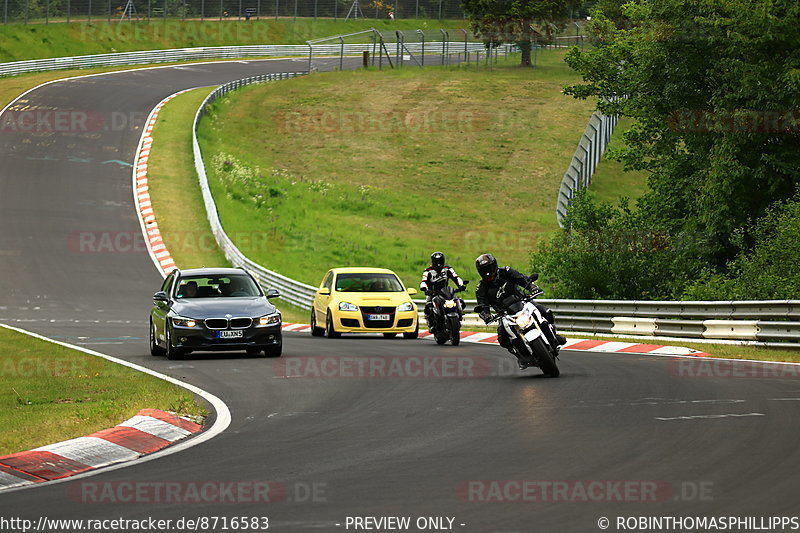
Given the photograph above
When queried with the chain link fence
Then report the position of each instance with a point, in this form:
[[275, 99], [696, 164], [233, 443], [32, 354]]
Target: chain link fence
[[46, 11]]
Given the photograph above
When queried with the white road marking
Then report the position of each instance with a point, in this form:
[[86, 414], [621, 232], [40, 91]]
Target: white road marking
[[699, 417]]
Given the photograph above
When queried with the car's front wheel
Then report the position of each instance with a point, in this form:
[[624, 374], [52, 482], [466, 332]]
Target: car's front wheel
[[155, 349], [172, 352], [315, 331], [330, 332]]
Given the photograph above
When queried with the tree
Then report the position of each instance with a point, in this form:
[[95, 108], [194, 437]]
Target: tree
[[511, 20], [713, 87]]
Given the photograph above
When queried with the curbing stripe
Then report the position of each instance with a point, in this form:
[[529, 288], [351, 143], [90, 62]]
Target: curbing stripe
[[153, 431], [94, 452], [43, 464], [590, 345], [133, 439], [188, 425], [156, 427]]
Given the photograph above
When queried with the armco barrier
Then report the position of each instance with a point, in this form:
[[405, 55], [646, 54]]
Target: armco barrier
[[204, 53], [768, 321]]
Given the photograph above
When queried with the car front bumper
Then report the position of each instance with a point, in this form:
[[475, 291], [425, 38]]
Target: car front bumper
[[202, 339], [354, 322]]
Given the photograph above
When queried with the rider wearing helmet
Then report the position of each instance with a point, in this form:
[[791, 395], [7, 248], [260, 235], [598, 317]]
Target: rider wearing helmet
[[492, 279], [434, 278]]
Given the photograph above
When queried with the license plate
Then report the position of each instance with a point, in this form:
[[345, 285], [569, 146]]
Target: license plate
[[379, 317], [230, 334]]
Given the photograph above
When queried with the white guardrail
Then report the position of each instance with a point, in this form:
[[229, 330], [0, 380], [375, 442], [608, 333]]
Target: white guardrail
[[769, 321], [209, 53]]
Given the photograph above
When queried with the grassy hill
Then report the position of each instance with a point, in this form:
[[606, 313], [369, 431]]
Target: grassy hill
[[382, 168]]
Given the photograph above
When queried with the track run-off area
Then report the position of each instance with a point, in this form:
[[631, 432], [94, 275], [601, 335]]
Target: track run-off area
[[452, 433]]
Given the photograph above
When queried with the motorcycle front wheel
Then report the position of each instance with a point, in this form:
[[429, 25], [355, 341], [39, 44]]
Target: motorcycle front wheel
[[455, 331], [546, 360]]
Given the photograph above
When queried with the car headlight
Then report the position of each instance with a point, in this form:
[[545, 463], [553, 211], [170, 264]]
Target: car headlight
[[524, 320], [449, 303], [347, 306], [183, 322], [408, 306], [268, 320]]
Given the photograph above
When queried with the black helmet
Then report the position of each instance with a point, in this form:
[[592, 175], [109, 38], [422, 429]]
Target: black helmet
[[487, 266], [437, 260]]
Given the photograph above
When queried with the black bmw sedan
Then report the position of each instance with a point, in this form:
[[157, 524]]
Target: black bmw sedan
[[214, 309]]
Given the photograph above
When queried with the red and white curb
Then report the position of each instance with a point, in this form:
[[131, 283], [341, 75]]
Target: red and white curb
[[141, 192], [589, 345], [147, 432]]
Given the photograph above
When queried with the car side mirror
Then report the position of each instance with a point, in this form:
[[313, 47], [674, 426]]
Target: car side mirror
[[273, 293], [324, 291], [412, 291], [160, 296]]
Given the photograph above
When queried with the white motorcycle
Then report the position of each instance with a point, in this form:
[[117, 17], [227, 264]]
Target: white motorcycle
[[526, 327]]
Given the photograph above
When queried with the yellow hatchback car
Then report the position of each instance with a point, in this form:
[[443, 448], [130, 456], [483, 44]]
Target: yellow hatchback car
[[363, 300]]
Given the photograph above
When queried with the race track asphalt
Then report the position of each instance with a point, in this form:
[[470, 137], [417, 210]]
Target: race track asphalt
[[369, 446]]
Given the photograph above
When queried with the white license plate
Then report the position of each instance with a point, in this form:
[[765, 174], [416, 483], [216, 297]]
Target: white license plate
[[379, 317], [230, 334]]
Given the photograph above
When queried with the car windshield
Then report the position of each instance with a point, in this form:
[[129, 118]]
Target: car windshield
[[232, 286], [368, 283]]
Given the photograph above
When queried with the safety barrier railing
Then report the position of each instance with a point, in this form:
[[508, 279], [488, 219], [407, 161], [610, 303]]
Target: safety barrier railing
[[194, 54]]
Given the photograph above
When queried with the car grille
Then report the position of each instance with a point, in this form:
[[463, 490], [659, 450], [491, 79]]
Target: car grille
[[241, 323], [378, 324], [233, 323], [217, 323], [405, 323]]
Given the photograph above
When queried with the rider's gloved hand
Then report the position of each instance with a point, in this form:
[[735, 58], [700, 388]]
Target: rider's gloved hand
[[485, 315]]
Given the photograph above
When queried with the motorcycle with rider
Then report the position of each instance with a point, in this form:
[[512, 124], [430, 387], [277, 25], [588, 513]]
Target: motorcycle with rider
[[443, 310], [525, 328]]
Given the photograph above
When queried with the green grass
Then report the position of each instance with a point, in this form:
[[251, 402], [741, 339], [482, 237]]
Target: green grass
[[38, 41], [611, 181], [293, 161], [49, 393]]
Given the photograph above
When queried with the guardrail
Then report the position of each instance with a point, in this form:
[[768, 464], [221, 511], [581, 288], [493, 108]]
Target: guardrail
[[193, 54], [584, 162], [767, 321]]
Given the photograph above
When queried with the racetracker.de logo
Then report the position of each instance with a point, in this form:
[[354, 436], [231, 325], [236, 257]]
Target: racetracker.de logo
[[178, 492], [566, 491], [733, 369], [378, 367]]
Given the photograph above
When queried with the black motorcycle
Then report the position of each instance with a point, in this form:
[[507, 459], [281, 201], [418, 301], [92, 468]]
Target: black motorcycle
[[447, 310], [529, 331]]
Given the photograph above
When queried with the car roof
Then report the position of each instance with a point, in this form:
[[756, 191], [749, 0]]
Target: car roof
[[361, 270], [211, 271]]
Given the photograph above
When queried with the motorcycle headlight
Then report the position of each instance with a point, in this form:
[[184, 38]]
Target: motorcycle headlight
[[183, 322], [450, 304], [268, 320], [347, 306], [524, 320], [408, 306]]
